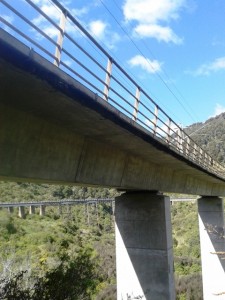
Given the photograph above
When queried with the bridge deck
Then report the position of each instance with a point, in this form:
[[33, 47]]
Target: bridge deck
[[53, 129]]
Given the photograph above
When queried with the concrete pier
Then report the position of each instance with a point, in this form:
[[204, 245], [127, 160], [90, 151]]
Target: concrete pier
[[32, 210], [144, 250], [42, 210], [21, 212], [211, 227], [60, 210], [10, 209]]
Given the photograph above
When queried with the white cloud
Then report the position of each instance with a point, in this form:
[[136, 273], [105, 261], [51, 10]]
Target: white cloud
[[40, 21], [79, 12], [215, 66], [97, 28], [8, 18], [101, 31], [160, 33], [219, 109], [68, 63], [151, 66], [150, 17], [55, 14]]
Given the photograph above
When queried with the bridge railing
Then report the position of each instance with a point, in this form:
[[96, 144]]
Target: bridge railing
[[58, 36]]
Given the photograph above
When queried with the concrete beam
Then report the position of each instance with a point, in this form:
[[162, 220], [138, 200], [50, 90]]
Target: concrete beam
[[212, 238], [144, 250]]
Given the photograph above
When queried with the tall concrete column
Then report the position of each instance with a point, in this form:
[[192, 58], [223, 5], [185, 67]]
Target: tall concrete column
[[32, 210], [10, 209], [144, 251], [42, 210], [212, 238], [60, 209], [21, 212]]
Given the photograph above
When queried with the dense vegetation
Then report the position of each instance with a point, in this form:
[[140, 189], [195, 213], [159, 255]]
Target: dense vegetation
[[210, 135], [72, 256], [73, 249], [76, 249]]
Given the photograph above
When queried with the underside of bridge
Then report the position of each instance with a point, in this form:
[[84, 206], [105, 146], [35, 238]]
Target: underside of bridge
[[53, 129]]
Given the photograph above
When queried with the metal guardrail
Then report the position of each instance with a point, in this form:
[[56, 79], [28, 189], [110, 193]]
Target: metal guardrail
[[70, 47]]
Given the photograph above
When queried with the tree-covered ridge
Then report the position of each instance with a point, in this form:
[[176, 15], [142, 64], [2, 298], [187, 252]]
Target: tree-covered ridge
[[210, 135], [27, 192]]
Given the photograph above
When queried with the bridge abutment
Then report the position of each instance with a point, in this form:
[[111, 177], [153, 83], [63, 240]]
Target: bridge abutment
[[212, 238], [144, 251]]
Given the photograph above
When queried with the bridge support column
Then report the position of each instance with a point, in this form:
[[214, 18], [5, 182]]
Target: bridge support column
[[21, 212], [10, 209], [32, 210], [212, 238], [42, 210], [144, 253], [60, 209]]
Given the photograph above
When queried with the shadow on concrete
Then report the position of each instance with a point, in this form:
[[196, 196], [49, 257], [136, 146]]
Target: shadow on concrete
[[211, 213], [144, 247]]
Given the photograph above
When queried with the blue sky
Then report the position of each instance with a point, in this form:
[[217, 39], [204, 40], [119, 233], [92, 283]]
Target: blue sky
[[175, 49]]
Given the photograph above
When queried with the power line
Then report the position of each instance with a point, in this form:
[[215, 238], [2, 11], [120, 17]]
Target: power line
[[140, 51]]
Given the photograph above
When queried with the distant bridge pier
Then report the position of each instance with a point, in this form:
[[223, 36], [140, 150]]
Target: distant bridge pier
[[21, 213], [31, 210], [212, 238], [144, 251], [10, 209], [42, 210], [60, 209]]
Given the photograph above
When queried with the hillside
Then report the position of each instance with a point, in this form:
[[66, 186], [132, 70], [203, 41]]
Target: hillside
[[210, 135]]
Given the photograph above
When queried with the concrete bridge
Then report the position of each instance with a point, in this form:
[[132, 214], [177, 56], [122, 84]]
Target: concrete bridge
[[60, 204], [87, 122], [67, 202]]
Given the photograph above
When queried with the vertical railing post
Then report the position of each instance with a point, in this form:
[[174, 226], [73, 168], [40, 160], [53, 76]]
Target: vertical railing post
[[58, 50], [136, 104], [201, 160], [205, 159], [188, 146], [181, 141], [168, 131], [194, 151], [177, 138], [107, 78], [155, 119]]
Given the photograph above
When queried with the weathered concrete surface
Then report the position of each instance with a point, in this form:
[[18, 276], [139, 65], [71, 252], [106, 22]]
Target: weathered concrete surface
[[144, 249], [212, 238], [53, 129]]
